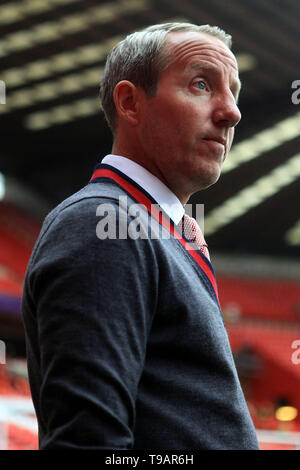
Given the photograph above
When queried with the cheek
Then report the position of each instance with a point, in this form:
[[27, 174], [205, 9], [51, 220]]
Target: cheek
[[176, 120], [182, 120], [169, 120]]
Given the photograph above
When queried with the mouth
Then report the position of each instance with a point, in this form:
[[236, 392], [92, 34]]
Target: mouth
[[218, 139], [217, 143]]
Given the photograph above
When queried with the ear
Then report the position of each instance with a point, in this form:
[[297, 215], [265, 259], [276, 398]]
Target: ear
[[126, 98]]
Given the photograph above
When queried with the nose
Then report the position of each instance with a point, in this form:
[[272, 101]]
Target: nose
[[226, 112]]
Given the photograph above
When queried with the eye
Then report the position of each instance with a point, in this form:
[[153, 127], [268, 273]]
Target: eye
[[201, 85]]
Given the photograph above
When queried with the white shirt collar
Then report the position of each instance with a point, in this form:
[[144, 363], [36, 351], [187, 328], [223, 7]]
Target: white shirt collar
[[150, 183]]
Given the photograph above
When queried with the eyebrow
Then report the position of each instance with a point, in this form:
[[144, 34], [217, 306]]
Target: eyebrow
[[236, 85]]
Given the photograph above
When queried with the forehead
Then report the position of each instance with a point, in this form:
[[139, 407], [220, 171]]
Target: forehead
[[185, 47]]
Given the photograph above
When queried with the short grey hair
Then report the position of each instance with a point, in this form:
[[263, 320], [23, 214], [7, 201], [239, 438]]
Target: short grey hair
[[140, 59]]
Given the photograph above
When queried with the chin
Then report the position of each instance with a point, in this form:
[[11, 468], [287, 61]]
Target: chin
[[208, 184], [207, 179]]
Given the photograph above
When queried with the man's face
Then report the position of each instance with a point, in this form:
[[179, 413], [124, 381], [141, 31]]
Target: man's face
[[187, 128]]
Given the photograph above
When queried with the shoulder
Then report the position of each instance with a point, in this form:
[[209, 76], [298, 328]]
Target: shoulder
[[80, 208], [86, 198], [82, 238], [95, 221]]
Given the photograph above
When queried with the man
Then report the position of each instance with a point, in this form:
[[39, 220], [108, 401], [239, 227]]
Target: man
[[126, 343]]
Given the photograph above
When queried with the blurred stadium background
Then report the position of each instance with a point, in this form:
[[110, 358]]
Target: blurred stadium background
[[53, 133]]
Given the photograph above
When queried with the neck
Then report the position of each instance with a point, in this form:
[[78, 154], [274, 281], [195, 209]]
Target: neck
[[138, 156]]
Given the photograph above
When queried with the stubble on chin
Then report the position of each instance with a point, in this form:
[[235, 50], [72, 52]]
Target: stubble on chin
[[205, 176]]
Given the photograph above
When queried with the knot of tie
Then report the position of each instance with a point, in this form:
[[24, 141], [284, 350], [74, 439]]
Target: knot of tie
[[193, 233]]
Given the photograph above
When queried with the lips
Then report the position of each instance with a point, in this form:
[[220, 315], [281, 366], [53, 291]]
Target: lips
[[216, 138]]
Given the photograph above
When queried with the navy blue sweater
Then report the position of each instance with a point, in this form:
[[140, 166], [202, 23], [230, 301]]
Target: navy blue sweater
[[126, 344]]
